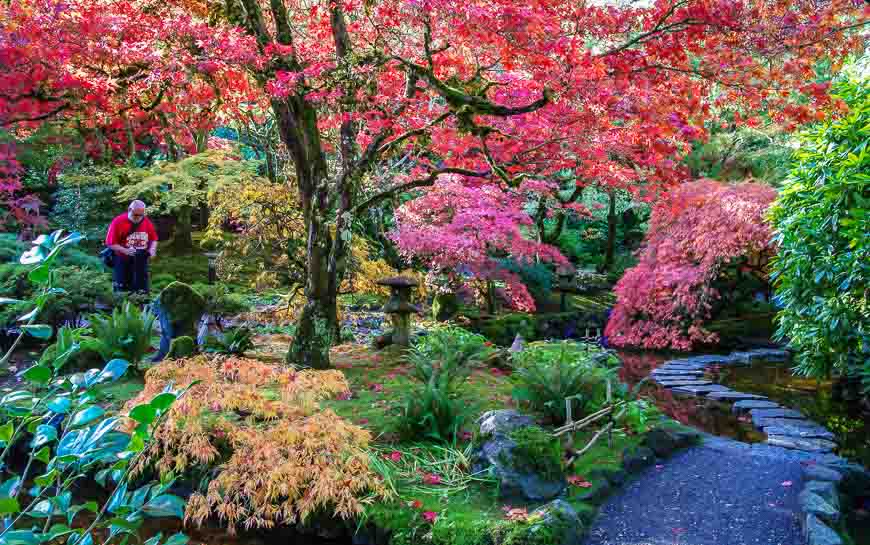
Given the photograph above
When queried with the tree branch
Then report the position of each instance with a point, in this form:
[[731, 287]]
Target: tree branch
[[419, 182]]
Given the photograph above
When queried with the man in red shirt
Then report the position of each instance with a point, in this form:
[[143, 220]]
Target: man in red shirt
[[134, 240]]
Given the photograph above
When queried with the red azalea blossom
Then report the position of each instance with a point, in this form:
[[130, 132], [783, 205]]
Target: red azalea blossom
[[344, 396], [394, 456], [431, 478], [430, 516], [416, 504], [576, 480]]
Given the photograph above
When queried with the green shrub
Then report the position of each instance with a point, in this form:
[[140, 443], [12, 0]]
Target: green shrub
[[822, 220], [85, 201], [440, 344], [221, 302], [80, 346], [548, 374], [125, 334]]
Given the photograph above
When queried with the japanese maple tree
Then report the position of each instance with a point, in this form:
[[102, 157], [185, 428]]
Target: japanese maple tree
[[700, 228]]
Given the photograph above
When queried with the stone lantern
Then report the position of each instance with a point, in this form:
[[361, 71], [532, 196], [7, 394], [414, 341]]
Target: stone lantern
[[399, 307], [566, 284], [212, 266]]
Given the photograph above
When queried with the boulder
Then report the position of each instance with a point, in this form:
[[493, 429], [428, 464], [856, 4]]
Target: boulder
[[819, 533], [661, 442], [813, 504], [522, 457], [816, 472], [181, 347], [826, 489], [634, 459], [445, 306], [558, 524]]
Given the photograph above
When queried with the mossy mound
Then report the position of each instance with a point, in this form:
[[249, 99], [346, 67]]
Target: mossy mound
[[183, 306], [181, 347]]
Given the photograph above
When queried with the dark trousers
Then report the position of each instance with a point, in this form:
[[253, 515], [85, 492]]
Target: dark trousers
[[131, 273]]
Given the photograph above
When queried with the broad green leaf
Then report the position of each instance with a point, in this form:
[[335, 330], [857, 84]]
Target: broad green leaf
[[163, 401], [167, 505], [8, 301], [114, 370], [40, 374], [177, 539], [87, 416], [9, 487], [43, 455], [29, 315], [40, 274], [118, 499], [40, 331], [144, 413], [20, 537], [44, 434], [154, 540], [47, 479], [6, 431], [59, 405], [9, 506]]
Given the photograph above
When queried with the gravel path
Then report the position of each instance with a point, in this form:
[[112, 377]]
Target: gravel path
[[718, 493]]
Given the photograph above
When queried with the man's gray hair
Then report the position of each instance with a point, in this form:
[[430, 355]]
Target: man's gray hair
[[137, 204]]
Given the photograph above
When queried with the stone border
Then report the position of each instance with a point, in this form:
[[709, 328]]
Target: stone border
[[784, 427], [821, 512]]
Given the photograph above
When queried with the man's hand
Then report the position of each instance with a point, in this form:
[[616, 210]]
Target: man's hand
[[129, 252], [153, 252]]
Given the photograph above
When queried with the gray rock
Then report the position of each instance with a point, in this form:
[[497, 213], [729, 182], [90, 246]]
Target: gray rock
[[813, 504], [676, 373], [747, 357], [559, 522], [496, 457], [635, 459], [826, 489], [791, 422], [798, 443], [749, 404], [699, 390], [671, 383], [770, 354], [856, 479], [502, 422], [809, 432], [819, 533], [673, 366], [711, 359], [775, 413], [661, 442], [816, 472], [733, 396]]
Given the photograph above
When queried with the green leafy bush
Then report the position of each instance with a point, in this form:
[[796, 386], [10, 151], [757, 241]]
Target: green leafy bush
[[126, 333], [548, 374], [822, 220], [461, 347], [85, 201]]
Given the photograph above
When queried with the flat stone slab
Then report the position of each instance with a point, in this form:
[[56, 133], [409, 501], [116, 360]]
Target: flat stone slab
[[771, 354], [749, 404], [791, 422], [699, 390], [816, 432], [733, 396], [759, 414], [712, 359], [684, 382], [798, 443], [677, 372]]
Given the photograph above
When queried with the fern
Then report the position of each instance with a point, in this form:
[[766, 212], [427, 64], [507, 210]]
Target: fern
[[125, 334]]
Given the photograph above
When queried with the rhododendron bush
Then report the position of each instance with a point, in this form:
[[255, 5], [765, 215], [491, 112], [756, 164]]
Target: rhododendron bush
[[666, 300]]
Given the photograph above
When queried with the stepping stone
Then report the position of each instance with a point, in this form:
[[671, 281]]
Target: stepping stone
[[816, 472], [712, 359], [683, 372], [758, 414], [797, 443], [699, 390], [749, 404], [682, 367], [819, 533], [791, 422], [685, 382], [733, 396], [770, 354], [804, 433]]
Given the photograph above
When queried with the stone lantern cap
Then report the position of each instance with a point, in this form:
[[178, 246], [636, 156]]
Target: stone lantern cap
[[398, 282]]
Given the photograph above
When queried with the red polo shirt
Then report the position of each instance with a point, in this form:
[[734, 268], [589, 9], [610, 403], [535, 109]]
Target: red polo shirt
[[121, 232]]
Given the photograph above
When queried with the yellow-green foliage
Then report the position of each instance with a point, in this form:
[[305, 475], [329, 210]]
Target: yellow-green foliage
[[172, 186], [280, 457]]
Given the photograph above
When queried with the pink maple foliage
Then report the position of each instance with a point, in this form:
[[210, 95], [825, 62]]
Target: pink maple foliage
[[666, 300]]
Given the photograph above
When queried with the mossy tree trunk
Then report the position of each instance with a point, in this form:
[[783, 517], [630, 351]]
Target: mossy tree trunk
[[611, 233], [182, 240]]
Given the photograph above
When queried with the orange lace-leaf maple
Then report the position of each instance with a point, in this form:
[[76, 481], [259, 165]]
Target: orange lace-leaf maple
[[279, 457]]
